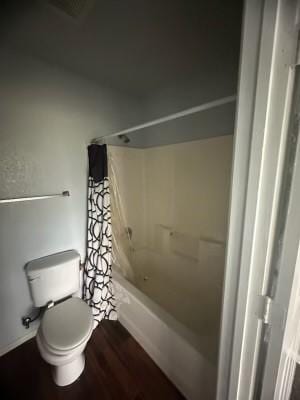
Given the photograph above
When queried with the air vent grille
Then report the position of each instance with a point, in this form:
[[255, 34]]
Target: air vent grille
[[73, 8]]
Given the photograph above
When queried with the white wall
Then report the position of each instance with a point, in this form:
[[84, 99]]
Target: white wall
[[183, 186], [188, 187], [47, 118]]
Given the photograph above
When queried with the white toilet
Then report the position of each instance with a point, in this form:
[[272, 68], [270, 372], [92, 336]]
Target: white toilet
[[67, 323]]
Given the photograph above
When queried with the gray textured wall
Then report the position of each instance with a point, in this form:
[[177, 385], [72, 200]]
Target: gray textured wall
[[47, 118]]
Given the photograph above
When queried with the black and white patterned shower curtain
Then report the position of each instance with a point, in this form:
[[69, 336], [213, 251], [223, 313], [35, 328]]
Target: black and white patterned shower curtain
[[97, 283]]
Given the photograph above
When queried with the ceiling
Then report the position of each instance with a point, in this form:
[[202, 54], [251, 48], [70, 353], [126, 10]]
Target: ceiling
[[135, 46]]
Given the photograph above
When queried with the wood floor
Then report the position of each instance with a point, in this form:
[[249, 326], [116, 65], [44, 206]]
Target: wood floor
[[295, 395], [117, 368]]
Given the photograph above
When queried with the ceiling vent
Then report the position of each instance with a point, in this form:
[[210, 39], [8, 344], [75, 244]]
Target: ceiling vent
[[72, 8]]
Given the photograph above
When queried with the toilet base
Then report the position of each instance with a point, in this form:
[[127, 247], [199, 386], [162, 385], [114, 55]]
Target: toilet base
[[66, 374]]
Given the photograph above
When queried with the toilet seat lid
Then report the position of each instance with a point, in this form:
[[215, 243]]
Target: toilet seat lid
[[67, 324]]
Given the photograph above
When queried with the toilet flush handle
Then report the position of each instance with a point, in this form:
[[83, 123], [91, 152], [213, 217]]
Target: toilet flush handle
[[26, 321]]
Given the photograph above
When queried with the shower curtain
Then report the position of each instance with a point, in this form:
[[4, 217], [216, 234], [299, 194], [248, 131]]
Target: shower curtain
[[121, 232], [97, 280]]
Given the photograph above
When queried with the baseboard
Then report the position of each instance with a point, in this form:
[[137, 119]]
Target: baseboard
[[18, 342]]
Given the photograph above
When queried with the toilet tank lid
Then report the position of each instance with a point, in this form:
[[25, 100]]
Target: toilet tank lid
[[52, 260]]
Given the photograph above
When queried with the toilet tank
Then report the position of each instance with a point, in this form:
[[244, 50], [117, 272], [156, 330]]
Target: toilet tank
[[53, 277]]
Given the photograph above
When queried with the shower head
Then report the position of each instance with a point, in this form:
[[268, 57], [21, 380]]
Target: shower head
[[124, 138]]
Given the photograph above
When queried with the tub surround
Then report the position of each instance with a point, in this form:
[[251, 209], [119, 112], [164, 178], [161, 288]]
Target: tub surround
[[175, 201]]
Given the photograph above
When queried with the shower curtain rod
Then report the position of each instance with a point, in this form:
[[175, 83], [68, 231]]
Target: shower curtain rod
[[180, 114]]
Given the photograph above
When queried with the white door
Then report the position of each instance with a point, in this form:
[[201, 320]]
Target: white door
[[280, 334], [251, 349]]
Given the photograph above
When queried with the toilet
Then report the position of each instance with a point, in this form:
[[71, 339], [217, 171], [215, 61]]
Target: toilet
[[67, 323]]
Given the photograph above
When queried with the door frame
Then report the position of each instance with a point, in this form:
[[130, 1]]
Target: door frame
[[268, 52]]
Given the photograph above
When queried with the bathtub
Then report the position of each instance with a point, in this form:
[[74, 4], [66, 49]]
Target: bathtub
[[173, 347]]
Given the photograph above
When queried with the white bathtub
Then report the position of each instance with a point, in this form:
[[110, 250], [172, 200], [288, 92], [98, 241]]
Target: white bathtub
[[173, 347]]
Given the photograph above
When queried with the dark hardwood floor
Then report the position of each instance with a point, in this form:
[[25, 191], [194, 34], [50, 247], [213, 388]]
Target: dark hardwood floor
[[295, 395], [117, 368]]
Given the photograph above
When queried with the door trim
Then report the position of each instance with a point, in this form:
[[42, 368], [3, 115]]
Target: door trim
[[257, 170]]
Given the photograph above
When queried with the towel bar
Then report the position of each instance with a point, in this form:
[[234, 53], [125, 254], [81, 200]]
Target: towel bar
[[49, 196]]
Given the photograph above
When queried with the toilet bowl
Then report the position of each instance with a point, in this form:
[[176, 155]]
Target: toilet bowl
[[62, 337]]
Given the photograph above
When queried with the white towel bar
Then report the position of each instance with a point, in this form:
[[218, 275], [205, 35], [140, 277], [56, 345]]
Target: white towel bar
[[49, 196]]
